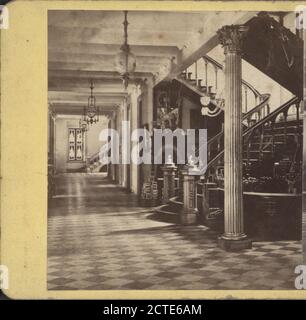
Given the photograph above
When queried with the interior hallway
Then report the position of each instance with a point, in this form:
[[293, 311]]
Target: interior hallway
[[100, 239]]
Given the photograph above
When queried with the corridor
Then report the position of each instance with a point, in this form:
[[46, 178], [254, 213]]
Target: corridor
[[100, 239]]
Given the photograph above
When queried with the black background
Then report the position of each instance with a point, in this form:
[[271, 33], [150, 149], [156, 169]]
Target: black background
[[211, 309]]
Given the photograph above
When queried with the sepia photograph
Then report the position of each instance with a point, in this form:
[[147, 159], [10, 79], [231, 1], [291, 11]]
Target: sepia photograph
[[174, 150], [152, 158]]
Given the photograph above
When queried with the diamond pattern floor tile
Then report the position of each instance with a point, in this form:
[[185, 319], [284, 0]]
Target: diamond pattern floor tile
[[100, 239]]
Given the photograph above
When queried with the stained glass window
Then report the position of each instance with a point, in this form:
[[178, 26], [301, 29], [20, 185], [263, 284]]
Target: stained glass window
[[75, 139]]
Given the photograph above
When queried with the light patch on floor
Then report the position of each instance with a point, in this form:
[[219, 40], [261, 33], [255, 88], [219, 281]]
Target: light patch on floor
[[103, 240]]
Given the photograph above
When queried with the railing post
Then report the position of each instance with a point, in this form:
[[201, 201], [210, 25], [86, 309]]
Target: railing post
[[256, 99], [261, 142], [208, 152], [190, 210], [206, 71], [219, 145], [249, 121], [264, 113], [298, 117], [216, 77], [285, 124], [273, 138], [248, 150], [169, 170], [246, 99]]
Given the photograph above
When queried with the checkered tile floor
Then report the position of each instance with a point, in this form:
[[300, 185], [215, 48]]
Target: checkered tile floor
[[100, 239]]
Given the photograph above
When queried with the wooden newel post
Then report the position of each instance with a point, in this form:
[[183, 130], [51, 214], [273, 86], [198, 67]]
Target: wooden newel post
[[189, 213], [169, 172]]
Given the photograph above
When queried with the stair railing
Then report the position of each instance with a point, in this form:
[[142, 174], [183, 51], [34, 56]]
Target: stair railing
[[92, 161], [94, 158], [193, 77], [213, 83], [199, 78], [218, 138], [269, 119]]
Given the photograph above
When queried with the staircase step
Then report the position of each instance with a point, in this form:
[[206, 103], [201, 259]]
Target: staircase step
[[203, 88], [212, 95], [209, 89], [188, 75], [192, 81], [184, 75]]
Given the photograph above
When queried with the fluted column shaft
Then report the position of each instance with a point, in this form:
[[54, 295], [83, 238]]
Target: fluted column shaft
[[233, 207], [231, 39]]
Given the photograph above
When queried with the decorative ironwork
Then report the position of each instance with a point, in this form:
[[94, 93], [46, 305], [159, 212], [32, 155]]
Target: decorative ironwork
[[91, 112]]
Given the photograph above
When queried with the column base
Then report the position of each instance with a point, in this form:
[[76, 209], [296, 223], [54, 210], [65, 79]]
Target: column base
[[234, 244]]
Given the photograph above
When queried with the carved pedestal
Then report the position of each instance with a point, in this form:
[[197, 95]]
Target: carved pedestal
[[189, 214], [169, 171]]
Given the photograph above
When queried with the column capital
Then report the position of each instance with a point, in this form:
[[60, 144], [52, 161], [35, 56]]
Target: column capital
[[231, 37]]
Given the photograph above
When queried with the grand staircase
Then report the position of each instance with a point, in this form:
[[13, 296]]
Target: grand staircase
[[272, 155], [272, 143], [266, 134]]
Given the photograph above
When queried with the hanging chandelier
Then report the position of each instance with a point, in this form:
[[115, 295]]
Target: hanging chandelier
[[125, 61], [91, 112]]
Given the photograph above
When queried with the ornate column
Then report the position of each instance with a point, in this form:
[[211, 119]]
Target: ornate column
[[234, 237], [169, 170]]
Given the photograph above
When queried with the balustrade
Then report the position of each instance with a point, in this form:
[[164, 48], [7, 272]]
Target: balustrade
[[206, 70], [266, 123], [205, 78]]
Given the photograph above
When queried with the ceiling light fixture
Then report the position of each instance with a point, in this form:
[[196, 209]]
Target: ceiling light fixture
[[91, 112], [125, 61]]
